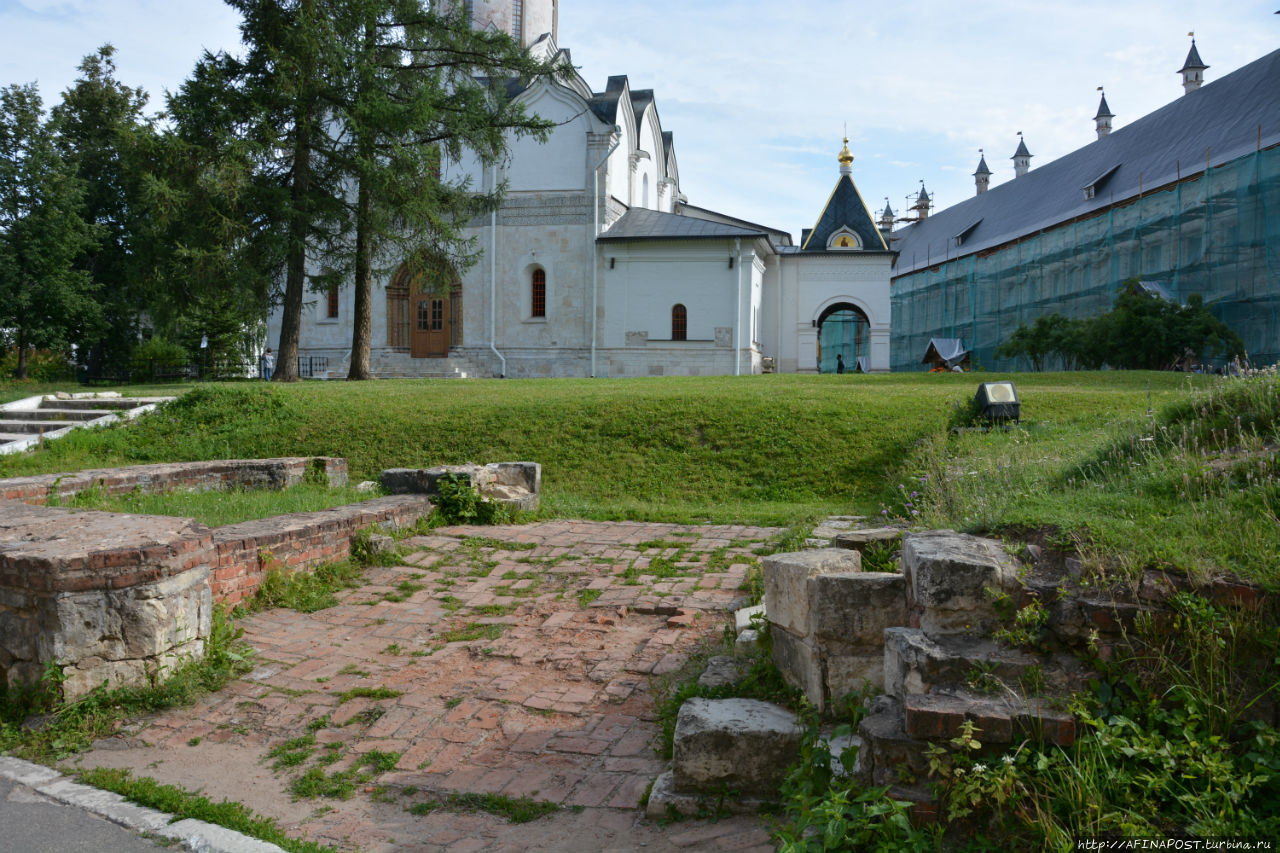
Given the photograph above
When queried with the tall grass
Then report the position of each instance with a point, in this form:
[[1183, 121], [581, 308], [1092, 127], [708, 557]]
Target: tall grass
[[1193, 485]]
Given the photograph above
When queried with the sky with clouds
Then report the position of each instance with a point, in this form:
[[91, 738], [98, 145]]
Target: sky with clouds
[[758, 93]]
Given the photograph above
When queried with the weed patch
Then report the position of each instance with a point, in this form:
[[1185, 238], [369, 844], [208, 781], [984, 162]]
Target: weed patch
[[514, 809], [472, 631], [374, 693], [182, 803], [302, 590]]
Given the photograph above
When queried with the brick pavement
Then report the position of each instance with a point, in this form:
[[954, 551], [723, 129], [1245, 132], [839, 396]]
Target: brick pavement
[[496, 660]]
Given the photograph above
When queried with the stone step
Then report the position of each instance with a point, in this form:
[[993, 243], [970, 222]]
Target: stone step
[[113, 403], [917, 663], [888, 755], [858, 540], [49, 413], [999, 720], [33, 427]]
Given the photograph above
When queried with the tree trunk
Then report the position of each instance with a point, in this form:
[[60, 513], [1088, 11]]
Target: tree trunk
[[362, 315], [296, 258], [20, 372]]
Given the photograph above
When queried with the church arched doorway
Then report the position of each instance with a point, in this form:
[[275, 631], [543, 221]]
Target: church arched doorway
[[844, 334], [423, 313]]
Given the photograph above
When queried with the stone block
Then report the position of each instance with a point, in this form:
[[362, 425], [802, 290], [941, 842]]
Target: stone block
[[786, 579], [742, 619], [954, 570], [665, 801], [833, 526], [747, 644], [741, 745], [952, 577], [856, 607], [887, 751], [722, 671], [423, 481], [800, 665], [857, 540], [845, 673], [517, 484], [937, 716]]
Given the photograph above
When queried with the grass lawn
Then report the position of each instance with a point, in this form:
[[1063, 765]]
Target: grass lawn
[[218, 508], [778, 449], [764, 449]]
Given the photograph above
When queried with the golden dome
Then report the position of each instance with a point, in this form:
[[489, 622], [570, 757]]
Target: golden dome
[[846, 156]]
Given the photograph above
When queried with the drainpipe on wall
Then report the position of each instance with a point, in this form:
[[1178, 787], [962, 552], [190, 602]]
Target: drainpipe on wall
[[595, 232], [777, 368], [737, 314], [493, 282]]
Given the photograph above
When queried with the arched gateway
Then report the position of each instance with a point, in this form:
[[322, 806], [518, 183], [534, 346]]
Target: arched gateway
[[843, 330]]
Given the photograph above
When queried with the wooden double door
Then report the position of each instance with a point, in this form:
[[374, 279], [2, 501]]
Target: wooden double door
[[430, 324]]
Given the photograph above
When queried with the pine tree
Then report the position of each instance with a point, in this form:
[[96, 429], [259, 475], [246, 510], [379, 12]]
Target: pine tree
[[44, 300], [102, 133], [348, 109], [420, 87], [275, 100]]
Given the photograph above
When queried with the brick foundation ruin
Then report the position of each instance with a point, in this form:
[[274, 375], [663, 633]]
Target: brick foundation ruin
[[117, 598]]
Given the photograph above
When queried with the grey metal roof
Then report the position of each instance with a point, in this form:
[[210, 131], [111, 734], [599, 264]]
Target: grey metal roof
[[605, 104], [641, 99], [1193, 63], [982, 166], [1022, 149], [1226, 118], [1104, 111], [777, 235], [642, 224]]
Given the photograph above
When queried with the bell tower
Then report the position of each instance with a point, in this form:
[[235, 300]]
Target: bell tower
[[526, 21]]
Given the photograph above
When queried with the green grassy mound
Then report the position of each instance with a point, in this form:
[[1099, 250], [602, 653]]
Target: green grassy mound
[[765, 449]]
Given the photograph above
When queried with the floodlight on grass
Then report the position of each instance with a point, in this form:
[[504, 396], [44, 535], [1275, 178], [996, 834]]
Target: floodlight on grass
[[998, 401]]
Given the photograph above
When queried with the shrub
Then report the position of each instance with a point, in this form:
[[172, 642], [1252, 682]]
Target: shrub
[[42, 365]]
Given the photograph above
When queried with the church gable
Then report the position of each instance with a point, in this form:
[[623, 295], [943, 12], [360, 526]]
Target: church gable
[[845, 215], [845, 224]]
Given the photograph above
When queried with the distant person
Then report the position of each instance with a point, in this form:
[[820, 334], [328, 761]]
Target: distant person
[[268, 364], [840, 363]]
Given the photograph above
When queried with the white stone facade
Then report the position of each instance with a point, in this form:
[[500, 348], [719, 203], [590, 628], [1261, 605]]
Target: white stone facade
[[605, 307]]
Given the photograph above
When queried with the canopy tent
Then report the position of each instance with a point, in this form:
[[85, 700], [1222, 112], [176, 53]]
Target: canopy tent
[[945, 353]]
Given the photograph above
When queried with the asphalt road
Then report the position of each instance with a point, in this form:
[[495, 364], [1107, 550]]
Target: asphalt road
[[33, 823]]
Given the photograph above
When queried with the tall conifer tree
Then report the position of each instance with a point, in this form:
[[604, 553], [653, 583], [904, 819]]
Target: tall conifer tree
[[419, 88], [44, 300]]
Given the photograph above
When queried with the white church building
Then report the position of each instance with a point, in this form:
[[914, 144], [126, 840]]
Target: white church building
[[596, 264]]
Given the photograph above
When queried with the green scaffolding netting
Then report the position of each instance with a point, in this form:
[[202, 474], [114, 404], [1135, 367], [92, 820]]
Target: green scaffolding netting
[[1216, 234]]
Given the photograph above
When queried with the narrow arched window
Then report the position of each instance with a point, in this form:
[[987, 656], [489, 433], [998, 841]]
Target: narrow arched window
[[538, 294], [517, 20], [679, 323], [333, 300]]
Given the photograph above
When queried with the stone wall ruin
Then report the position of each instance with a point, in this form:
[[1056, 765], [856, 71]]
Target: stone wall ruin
[[119, 599]]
